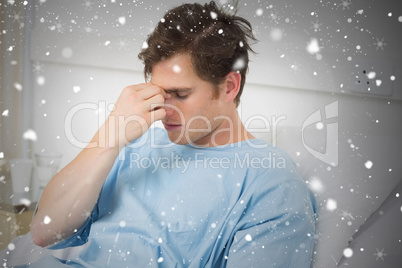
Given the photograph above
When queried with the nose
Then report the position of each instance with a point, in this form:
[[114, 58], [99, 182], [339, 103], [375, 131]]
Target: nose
[[169, 107], [169, 111]]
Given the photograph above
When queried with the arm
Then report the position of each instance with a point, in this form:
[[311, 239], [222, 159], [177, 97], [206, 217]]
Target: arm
[[277, 229], [71, 195]]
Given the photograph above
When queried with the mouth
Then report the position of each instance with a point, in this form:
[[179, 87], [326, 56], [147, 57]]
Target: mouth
[[171, 127]]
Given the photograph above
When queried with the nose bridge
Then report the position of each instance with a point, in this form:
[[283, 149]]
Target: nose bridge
[[170, 107]]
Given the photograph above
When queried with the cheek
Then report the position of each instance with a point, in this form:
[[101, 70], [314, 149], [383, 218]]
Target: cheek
[[200, 116], [190, 106], [197, 105]]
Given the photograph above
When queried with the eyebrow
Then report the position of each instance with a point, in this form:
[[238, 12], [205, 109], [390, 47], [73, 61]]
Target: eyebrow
[[174, 90]]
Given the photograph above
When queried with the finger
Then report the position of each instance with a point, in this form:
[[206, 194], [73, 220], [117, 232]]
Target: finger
[[163, 92], [136, 88], [155, 102], [158, 114], [151, 90]]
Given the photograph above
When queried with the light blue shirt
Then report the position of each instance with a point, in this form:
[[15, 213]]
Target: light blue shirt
[[168, 205]]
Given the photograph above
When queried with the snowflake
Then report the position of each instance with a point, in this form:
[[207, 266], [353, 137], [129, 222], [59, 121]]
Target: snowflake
[[379, 254], [15, 228], [37, 67], [87, 5], [17, 17], [86, 214], [58, 236], [123, 45], [151, 27], [191, 222], [274, 17], [59, 27], [380, 44], [295, 67], [316, 26], [347, 215], [346, 4]]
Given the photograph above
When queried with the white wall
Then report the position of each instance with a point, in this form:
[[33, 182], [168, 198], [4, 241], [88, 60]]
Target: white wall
[[87, 47]]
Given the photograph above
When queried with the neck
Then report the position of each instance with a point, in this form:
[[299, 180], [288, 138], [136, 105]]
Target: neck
[[229, 132]]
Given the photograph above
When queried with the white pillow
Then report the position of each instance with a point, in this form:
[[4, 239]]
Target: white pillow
[[346, 194]]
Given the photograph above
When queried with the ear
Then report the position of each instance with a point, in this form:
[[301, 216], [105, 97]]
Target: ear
[[232, 86]]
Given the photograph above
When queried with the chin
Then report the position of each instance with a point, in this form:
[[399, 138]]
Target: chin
[[175, 139]]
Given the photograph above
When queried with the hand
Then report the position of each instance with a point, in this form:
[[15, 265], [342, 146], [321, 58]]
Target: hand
[[136, 109]]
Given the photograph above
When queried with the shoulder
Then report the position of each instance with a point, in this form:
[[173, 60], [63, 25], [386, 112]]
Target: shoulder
[[154, 137], [263, 159], [272, 174]]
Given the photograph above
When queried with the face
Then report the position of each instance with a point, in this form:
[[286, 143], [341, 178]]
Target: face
[[194, 114]]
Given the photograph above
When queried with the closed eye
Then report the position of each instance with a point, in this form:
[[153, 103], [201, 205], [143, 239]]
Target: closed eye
[[181, 95]]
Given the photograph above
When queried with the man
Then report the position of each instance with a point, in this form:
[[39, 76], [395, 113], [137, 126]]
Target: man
[[201, 193]]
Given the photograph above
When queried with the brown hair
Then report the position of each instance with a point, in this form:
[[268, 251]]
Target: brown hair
[[217, 42]]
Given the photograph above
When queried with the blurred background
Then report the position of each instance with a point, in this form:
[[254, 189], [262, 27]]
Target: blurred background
[[57, 55], [63, 63]]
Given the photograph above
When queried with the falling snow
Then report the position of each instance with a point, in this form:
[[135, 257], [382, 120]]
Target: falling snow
[[176, 69], [47, 220], [331, 204], [379, 254], [350, 49], [239, 64], [346, 4], [368, 164], [213, 15], [144, 45], [313, 46], [316, 185], [122, 20], [11, 246], [26, 201], [30, 135], [67, 52], [248, 237], [379, 44], [316, 26], [371, 75], [37, 67], [18, 86], [41, 80], [348, 252]]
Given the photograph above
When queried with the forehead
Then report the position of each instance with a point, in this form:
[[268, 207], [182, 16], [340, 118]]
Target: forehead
[[175, 70], [176, 64]]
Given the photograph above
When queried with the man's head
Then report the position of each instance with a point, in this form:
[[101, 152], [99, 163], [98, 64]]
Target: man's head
[[217, 42]]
